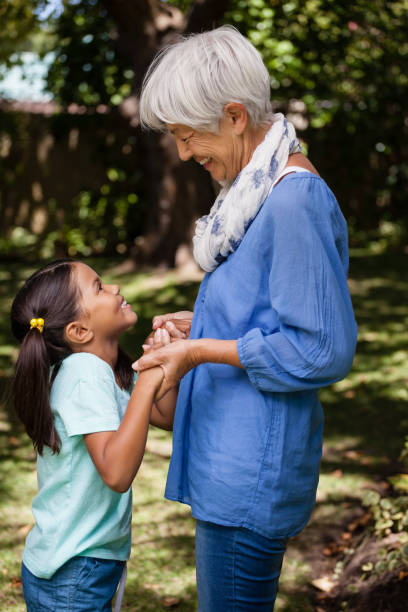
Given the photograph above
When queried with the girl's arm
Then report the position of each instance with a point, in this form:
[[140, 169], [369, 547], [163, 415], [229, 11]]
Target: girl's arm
[[163, 410], [117, 455]]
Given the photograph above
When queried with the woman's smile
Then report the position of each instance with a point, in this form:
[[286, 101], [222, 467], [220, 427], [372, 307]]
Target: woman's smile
[[205, 161]]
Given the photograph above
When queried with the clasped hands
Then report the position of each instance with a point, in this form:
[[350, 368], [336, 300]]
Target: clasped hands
[[168, 346]]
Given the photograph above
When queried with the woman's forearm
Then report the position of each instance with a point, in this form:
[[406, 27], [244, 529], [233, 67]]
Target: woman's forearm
[[215, 351], [178, 358]]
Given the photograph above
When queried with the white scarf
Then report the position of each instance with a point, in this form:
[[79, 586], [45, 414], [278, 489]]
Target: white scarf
[[220, 232]]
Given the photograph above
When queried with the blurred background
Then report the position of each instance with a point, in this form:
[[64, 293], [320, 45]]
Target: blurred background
[[77, 174], [78, 177]]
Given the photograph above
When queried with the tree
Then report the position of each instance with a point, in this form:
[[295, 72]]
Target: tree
[[18, 21], [103, 53], [342, 66], [347, 62]]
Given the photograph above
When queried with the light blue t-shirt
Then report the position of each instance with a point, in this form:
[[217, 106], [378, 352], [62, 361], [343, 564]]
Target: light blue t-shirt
[[75, 512]]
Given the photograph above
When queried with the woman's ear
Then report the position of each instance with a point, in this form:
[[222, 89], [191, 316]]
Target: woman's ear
[[78, 334], [237, 115]]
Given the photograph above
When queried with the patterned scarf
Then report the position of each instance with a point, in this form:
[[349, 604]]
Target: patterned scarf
[[220, 232]]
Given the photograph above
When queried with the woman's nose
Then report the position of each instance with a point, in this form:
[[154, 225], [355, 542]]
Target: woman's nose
[[183, 150]]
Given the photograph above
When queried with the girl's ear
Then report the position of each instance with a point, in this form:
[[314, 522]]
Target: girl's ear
[[237, 115], [78, 334]]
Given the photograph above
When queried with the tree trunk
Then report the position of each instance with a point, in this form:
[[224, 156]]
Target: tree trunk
[[176, 193]]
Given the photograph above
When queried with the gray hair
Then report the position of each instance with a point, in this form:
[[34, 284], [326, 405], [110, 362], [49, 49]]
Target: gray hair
[[191, 81]]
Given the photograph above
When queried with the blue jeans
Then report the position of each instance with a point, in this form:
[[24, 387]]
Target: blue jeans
[[237, 569], [83, 584]]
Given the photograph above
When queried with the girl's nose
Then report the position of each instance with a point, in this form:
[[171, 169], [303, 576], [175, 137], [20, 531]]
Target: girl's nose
[[115, 289]]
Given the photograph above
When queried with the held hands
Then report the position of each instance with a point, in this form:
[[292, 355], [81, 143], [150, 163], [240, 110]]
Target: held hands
[[177, 324], [156, 339], [175, 359], [168, 328]]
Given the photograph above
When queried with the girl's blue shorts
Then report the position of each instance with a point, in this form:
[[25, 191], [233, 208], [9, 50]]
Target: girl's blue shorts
[[83, 584]]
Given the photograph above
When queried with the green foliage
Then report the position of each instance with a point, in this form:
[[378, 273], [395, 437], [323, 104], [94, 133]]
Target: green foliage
[[100, 223], [18, 22], [365, 418], [341, 67], [391, 516], [183, 5], [329, 54], [347, 62], [390, 513], [88, 69], [104, 215]]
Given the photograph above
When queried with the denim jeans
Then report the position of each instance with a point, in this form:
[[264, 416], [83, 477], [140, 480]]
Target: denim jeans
[[237, 569], [83, 584]]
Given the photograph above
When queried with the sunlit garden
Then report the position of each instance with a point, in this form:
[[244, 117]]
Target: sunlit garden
[[366, 425], [80, 178]]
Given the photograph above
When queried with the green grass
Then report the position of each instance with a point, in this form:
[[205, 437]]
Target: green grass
[[366, 423]]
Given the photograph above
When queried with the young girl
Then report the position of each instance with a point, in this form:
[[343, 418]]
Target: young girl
[[73, 392]]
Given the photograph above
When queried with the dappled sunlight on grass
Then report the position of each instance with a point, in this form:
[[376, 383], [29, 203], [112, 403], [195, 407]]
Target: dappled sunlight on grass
[[18, 485], [162, 564], [366, 421], [332, 489]]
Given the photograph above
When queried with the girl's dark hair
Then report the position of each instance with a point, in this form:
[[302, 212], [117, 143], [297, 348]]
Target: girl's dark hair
[[51, 294]]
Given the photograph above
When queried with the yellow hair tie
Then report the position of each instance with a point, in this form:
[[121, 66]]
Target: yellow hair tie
[[38, 323]]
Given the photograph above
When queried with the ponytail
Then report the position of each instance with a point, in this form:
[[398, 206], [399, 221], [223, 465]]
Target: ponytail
[[31, 392], [50, 294]]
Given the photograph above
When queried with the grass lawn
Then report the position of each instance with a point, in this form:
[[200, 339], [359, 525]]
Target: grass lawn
[[366, 423]]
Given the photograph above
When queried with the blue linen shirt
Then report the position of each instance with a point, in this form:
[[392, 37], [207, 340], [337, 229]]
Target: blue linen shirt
[[247, 442]]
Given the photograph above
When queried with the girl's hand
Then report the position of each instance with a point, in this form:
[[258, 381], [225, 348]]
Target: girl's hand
[[175, 359], [153, 377], [156, 339], [177, 324]]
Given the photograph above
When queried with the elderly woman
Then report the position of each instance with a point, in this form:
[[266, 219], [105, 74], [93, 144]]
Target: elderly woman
[[273, 321]]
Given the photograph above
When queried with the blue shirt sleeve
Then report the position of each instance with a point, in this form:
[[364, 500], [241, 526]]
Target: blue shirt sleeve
[[314, 343]]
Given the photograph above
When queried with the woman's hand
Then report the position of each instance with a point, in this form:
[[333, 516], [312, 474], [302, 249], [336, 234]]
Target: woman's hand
[[154, 341], [175, 359], [181, 356], [177, 324]]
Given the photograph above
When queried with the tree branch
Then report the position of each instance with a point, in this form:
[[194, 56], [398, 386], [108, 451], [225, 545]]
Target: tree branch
[[143, 26], [205, 15]]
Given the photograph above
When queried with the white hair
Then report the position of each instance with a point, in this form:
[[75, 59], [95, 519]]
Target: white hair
[[191, 81]]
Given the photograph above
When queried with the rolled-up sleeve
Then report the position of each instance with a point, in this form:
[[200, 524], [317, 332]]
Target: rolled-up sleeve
[[314, 342]]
